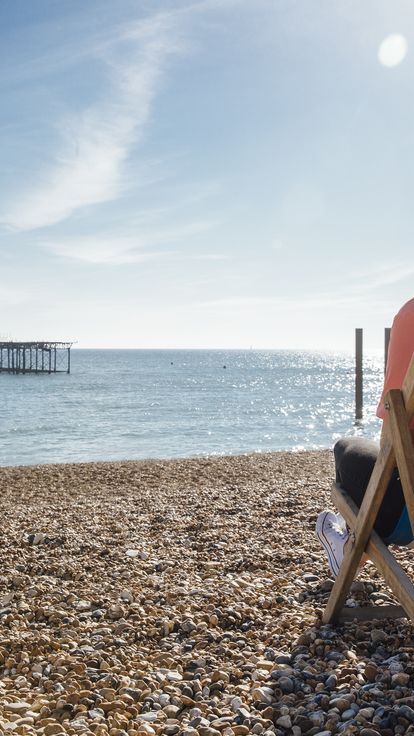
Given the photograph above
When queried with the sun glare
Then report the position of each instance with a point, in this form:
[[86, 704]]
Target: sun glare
[[392, 50]]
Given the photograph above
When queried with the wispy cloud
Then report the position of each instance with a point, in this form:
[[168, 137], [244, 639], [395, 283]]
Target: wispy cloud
[[363, 289], [284, 305], [121, 249], [12, 297], [89, 168], [384, 275], [95, 250], [210, 257]]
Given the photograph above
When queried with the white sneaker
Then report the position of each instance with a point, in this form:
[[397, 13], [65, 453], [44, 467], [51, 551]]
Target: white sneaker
[[332, 533]]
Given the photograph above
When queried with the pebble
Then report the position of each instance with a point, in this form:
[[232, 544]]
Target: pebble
[[126, 595], [406, 712], [371, 671], [347, 714], [116, 611], [378, 635], [263, 695], [331, 682], [366, 713], [400, 678], [284, 722], [341, 704], [20, 706], [286, 684], [236, 703]]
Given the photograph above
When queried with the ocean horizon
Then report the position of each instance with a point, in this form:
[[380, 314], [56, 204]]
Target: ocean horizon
[[134, 404]]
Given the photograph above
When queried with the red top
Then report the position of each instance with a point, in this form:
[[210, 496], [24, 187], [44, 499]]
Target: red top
[[400, 350]]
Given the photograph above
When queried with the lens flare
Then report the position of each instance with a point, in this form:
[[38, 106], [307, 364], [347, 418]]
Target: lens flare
[[392, 50]]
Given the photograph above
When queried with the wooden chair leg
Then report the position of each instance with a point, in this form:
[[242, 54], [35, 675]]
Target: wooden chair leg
[[403, 448], [364, 524], [393, 574]]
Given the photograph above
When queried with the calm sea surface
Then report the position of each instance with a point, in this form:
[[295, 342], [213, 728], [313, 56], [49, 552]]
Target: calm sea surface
[[131, 404]]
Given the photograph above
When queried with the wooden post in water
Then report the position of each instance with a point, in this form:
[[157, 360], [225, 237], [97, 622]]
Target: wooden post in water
[[387, 331], [358, 373]]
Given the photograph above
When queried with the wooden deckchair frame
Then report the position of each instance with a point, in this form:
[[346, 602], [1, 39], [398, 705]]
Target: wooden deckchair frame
[[396, 449]]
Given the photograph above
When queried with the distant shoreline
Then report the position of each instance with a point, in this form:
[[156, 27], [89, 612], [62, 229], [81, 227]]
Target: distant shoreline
[[342, 351], [164, 461]]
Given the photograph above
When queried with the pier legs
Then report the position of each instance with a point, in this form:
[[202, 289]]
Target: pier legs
[[34, 357]]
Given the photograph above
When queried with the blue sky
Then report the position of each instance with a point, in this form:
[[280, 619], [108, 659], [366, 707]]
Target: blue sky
[[221, 173]]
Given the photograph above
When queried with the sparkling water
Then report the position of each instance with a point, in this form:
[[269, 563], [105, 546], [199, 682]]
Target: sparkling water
[[132, 404]]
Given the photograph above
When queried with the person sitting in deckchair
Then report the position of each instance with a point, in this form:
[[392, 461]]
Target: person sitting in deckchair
[[355, 459]]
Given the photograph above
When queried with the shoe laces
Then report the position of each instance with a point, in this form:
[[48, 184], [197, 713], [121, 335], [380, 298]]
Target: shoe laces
[[342, 531]]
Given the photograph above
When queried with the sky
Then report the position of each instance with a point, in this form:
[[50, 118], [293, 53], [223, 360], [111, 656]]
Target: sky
[[206, 174]]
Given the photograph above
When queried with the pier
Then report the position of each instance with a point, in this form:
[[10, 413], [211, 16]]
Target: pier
[[35, 357]]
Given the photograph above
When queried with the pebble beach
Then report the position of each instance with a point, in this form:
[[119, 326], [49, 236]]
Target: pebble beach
[[185, 597]]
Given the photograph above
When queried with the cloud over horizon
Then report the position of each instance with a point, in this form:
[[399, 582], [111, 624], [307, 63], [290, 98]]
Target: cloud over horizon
[[118, 249]]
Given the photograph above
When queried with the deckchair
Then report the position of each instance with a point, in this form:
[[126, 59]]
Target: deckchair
[[396, 450]]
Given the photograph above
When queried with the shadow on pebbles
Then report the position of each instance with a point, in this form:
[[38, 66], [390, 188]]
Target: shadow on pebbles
[[185, 597]]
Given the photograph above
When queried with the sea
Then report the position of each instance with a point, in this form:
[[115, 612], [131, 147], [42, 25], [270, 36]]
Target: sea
[[134, 404]]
